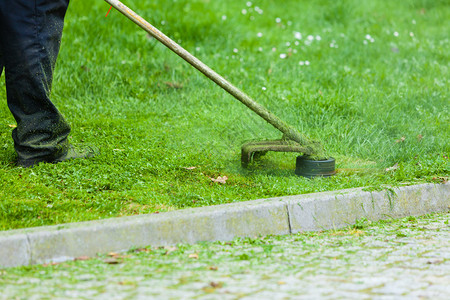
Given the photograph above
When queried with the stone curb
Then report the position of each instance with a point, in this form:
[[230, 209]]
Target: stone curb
[[274, 216]]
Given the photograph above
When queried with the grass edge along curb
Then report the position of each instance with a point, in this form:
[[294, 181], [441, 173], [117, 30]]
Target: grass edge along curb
[[273, 216]]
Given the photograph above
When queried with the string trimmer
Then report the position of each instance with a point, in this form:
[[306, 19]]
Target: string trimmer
[[312, 163]]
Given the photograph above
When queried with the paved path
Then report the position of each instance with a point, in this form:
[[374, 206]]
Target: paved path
[[407, 259]]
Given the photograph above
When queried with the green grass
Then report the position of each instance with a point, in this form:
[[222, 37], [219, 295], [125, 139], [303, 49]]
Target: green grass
[[153, 116]]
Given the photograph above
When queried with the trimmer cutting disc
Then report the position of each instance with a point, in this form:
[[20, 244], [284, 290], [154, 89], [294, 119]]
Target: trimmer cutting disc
[[315, 168]]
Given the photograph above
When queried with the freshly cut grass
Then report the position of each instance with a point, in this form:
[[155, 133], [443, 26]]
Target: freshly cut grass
[[368, 78]]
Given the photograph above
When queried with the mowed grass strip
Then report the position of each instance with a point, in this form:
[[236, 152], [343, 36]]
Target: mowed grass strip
[[368, 78]]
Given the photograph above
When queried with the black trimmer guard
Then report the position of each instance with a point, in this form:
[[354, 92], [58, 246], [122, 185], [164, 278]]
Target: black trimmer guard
[[315, 168]]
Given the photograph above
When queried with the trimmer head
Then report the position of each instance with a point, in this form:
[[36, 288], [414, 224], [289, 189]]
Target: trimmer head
[[309, 168], [305, 166]]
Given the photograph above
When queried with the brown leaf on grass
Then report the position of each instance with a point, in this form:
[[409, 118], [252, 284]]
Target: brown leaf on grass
[[113, 254], [12, 125], [393, 168], [400, 140], [435, 262], [213, 268], [170, 249], [139, 250], [419, 137], [50, 264], [216, 285], [189, 168], [111, 261], [193, 255], [82, 258], [220, 179], [442, 180], [173, 85]]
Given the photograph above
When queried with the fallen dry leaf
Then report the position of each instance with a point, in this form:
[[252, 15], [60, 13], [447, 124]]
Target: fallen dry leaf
[[173, 85], [82, 258], [213, 268], [12, 125], [139, 250], [189, 168], [113, 254], [50, 264], [393, 168], [111, 261], [220, 179], [193, 255], [170, 249], [441, 179], [419, 137], [216, 285], [401, 140], [436, 261]]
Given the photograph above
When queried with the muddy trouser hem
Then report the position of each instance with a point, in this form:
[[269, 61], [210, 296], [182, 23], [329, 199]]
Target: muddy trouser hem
[[30, 37]]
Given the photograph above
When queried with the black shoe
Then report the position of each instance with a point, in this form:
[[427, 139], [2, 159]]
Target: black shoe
[[72, 153]]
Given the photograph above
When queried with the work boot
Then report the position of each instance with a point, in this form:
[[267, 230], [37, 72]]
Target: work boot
[[71, 153]]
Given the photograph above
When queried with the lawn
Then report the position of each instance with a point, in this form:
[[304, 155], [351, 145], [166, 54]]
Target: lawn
[[368, 78]]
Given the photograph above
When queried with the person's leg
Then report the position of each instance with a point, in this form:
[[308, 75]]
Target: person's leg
[[1, 61], [30, 36]]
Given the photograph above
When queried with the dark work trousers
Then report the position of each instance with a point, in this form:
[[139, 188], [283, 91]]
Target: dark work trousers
[[30, 37]]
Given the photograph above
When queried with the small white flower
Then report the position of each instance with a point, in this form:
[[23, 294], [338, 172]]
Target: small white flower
[[259, 34], [289, 23], [368, 37], [365, 42], [274, 49], [260, 49], [278, 20], [283, 55], [301, 63], [224, 17], [163, 22], [264, 88], [318, 37], [395, 33], [310, 38], [372, 40], [298, 35], [249, 4], [297, 43], [244, 11], [258, 10], [411, 34], [288, 44], [197, 49], [306, 63], [235, 50], [295, 51]]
